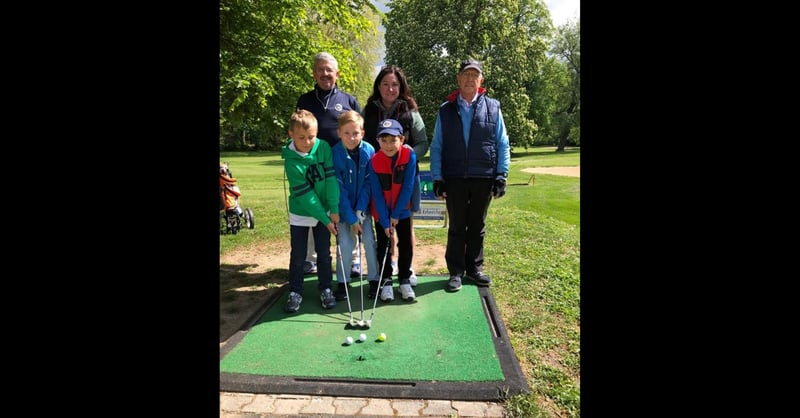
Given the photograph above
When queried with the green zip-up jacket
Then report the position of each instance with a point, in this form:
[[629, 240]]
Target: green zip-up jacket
[[314, 191]]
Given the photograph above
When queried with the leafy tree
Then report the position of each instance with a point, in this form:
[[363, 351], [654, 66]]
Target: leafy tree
[[429, 38], [266, 47], [556, 91], [368, 52], [567, 48], [546, 89]]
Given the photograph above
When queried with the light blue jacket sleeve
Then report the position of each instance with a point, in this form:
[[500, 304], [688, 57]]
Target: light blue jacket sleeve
[[503, 149]]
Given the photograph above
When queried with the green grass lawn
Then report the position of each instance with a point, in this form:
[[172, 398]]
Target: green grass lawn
[[532, 250]]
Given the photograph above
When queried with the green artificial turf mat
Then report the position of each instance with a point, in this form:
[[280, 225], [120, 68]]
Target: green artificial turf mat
[[440, 337]]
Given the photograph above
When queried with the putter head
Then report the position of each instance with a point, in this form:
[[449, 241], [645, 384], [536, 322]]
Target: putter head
[[369, 323], [353, 322]]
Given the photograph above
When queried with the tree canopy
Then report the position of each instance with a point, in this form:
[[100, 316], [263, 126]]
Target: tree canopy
[[429, 38], [266, 51]]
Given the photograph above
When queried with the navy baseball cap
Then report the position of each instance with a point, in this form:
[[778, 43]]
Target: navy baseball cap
[[470, 63], [389, 127]]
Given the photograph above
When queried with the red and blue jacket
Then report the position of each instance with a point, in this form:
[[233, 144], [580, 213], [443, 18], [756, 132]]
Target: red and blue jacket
[[392, 181]]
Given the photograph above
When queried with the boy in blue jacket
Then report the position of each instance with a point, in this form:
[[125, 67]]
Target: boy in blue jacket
[[351, 156]]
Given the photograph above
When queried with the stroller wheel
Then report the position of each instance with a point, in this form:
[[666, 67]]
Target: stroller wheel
[[249, 221]]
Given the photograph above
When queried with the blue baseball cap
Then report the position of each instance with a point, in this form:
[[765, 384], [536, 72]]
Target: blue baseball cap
[[389, 127]]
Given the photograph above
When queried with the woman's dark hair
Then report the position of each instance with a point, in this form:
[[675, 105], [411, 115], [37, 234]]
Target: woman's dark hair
[[405, 90]]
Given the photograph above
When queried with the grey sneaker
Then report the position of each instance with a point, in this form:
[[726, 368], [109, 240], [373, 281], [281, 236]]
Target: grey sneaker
[[454, 285], [327, 298], [407, 293], [293, 304], [387, 295], [412, 279], [480, 278]]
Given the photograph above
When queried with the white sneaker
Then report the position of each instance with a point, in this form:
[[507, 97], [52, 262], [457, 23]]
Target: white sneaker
[[387, 295], [412, 279], [407, 293], [395, 271]]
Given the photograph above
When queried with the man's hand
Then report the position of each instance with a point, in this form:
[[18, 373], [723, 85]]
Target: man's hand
[[439, 190], [499, 188]]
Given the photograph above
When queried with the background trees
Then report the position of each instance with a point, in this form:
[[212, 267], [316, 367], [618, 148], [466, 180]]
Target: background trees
[[513, 40], [266, 49]]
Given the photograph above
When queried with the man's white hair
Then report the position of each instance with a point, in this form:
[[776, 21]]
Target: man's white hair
[[325, 56]]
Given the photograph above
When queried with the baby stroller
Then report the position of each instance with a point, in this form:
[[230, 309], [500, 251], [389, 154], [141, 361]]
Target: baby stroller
[[232, 215]]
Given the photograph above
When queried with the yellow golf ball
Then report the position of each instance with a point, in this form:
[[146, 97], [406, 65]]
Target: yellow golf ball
[[382, 337]]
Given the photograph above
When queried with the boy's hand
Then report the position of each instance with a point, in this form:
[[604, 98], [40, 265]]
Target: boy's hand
[[335, 218]]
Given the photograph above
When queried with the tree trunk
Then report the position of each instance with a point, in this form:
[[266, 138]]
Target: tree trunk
[[562, 139], [566, 124], [244, 139], [562, 142]]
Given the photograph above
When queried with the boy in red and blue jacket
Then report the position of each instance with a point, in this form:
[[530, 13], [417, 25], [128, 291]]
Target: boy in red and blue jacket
[[392, 174]]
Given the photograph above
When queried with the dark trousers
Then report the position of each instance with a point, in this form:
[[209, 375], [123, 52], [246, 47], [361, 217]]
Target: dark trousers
[[299, 243], [467, 205], [405, 250]]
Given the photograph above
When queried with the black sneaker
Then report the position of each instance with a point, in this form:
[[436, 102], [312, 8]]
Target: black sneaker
[[342, 290], [373, 289], [327, 298], [454, 285], [293, 304], [480, 278]]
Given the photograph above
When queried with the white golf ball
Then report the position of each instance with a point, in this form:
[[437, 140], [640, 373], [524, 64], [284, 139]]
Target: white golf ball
[[362, 337], [348, 340]]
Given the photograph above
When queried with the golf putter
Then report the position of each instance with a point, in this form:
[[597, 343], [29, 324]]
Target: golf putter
[[361, 322], [380, 280], [352, 321]]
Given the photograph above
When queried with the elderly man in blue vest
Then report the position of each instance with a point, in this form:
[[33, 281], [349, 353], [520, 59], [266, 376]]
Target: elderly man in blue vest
[[470, 157]]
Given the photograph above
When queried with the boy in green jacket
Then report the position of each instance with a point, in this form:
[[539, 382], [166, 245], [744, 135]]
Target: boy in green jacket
[[313, 203]]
